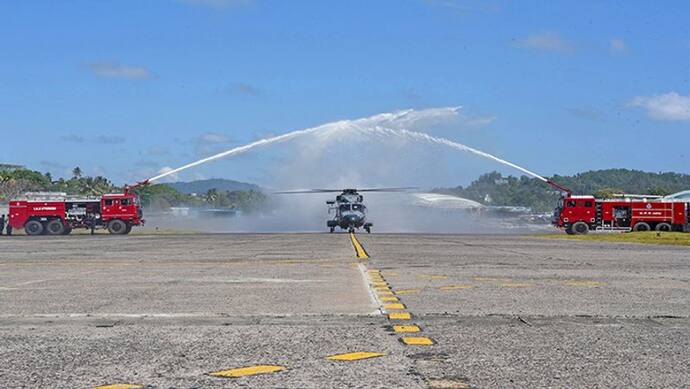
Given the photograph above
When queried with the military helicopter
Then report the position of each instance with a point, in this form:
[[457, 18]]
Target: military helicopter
[[348, 209]]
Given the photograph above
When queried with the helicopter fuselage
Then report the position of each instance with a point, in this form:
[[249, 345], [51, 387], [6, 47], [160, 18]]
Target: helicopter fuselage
[[349, 212]]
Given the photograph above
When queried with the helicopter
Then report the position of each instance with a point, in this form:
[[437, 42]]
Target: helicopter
[[348, 209]]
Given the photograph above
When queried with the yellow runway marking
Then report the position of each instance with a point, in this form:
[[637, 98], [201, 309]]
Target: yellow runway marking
[[399, 316], [361, 253], [516, 285], [406, 328], [389, 298], [120, 386], [384, 293], [408, 291], [354, 356], [417, 341], [382, 288], [379, 284], [452, 287], [432, 277], [248, 371], [394, 306], [587, 283]]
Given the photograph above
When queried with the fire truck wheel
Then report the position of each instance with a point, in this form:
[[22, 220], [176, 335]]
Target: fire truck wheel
[[117, 227], [642, 226], [33, 227], [67, 231], [580, 228], [129, 229], [664, 227], [55, 227]]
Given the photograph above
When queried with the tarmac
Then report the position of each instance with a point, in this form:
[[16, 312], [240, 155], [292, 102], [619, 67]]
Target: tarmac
[[334, 310]]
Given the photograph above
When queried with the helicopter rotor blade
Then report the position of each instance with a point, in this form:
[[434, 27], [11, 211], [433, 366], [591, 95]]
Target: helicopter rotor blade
[[306, 191], [387, 189]]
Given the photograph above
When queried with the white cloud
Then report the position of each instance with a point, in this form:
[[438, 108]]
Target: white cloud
[[218, 4], [211, 142], [214, 137], [479, 121], [670, 106], [171, 178], [116, 70], [545, 42], [617, 45]]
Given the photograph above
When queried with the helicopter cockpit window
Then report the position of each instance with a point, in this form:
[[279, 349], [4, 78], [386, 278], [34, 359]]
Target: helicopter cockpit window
[[344, 207], [357, 207]]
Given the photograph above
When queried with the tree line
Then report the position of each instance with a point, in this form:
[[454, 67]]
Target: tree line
[[16, 181]]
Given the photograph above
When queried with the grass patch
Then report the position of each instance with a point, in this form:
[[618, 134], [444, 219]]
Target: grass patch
[[652, 237]]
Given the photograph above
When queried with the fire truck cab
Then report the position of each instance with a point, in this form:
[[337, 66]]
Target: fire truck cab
[[48, 213], [581, 214]]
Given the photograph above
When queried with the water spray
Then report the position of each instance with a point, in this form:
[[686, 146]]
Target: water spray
[[383, 124]]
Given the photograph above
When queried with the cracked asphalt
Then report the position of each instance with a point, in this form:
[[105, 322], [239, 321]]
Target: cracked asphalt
[[164, 311]]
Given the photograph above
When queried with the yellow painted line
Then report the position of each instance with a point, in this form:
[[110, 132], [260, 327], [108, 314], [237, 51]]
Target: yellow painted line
[[377, 279], [374, 271], [354, 356], [120, 386], [516, 285], [432, 277], [377, 284], [399, 316], [587, 283], [417, 341], [452, 287], [407, 291], [382, 287], [361, 253], [394, 306], [384, 293], [389, 298], [248, 371], [412, 328]]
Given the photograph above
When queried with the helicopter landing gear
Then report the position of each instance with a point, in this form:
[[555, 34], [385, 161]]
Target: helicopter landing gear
[[367, 228], [332, 230]]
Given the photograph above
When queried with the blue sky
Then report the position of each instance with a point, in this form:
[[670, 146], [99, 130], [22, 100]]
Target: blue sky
[[125, 88]]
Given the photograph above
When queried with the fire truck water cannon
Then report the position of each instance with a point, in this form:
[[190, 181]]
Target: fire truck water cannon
[[49, 213]]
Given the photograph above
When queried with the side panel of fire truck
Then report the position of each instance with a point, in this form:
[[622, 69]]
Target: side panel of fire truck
[[36, 216]]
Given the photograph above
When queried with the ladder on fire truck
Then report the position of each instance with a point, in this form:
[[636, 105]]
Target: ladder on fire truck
[[603, 227]]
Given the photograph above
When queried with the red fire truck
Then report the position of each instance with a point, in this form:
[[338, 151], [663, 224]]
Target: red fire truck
[[581, 214], [58, 214]]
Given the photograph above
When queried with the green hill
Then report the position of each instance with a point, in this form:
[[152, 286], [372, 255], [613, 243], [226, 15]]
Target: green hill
[[203, 186]]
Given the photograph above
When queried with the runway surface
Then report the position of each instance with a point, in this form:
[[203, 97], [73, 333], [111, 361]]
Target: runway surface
[[413, 311]]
